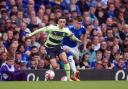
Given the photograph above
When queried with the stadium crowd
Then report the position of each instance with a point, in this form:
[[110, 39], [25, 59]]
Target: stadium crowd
[[105, 22]]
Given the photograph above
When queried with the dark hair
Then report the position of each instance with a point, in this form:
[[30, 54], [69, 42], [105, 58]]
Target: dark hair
[[35, 54], [61, 17], [13, 14], [89, 44], [78, 18], [9, 57]]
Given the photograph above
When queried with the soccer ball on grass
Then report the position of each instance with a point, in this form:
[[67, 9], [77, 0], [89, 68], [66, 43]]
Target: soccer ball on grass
[[64, 78]]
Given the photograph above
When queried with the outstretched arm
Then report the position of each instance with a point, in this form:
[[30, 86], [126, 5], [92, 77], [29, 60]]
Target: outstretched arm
[[74, 38], [37, 31]]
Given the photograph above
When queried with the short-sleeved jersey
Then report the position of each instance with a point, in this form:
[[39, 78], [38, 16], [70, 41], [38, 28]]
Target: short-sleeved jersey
[[55, 35], [77, 32]]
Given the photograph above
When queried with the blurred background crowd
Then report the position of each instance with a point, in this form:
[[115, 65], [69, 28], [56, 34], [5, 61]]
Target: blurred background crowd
[[106, 23]]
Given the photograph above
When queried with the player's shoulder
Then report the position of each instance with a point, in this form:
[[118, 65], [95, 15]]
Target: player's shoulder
[[70, 26], [66, 29]]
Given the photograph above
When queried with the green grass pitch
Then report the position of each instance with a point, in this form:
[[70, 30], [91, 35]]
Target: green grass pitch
[[65, 85]]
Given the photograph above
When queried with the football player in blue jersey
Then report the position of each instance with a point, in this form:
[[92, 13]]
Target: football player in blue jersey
[[71, 47]]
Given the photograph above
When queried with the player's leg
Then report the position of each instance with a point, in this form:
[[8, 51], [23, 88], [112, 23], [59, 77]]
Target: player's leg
[[63, 57], [71, 61], [70, 58], [51, 57], [74, 53], [75, 74]]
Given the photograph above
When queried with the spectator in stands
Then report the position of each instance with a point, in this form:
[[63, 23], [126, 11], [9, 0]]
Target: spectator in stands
[[107, 55], [25, 56], [92, 54], [95, 42], [48, 10], [35, 42], [3, 57], [41, 12], [118, 62], [2, 47], [24, 30], [19, 19], [106, 63], [74, 7], [28, 46], [99, 56], [101, 15], [18, 60], [12, 50], [42, 52], [111, 12], [41, 64], [125, 55], [34, 50], [35, 58], [85, 62]]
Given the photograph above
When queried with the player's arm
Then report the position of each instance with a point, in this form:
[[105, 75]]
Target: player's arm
[[44, 29], [73, 37]]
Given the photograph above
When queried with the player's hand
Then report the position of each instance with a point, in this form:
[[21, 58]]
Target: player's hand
[[79, 41]]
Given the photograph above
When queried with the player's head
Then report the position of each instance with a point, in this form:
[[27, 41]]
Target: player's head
[[61, 21], [77, 21]]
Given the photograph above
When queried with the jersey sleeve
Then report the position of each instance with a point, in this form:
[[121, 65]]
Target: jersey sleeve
[[83, 30], [72, 36], [69, 33], [44, 29]]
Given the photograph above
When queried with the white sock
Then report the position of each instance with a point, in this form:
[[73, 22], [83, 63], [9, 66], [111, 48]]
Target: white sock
[[72, 63]]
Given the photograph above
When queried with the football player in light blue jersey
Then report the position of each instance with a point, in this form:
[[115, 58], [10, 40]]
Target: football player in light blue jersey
[[71, 47]]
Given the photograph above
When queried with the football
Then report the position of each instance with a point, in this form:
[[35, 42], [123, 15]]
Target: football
[[49, 75], [64, 78]]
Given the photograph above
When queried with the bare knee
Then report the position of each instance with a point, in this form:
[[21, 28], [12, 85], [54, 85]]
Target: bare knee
[[63, 57]]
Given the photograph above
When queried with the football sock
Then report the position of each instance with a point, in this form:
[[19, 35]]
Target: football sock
[[67, 69], [71, 62]]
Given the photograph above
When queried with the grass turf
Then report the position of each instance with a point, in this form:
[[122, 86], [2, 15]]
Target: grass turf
[[65, 85]]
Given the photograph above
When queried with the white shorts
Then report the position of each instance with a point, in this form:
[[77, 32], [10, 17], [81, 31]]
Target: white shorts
[[74, 50]]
